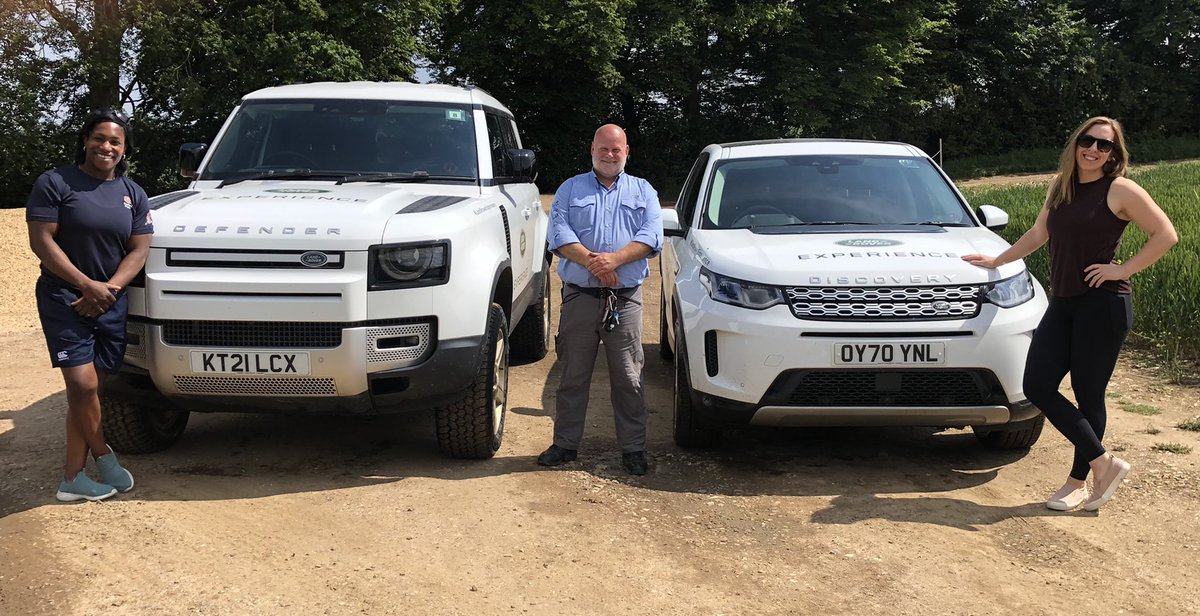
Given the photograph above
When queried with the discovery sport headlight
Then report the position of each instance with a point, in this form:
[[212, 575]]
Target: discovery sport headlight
[[1012, 291], [739, 292], [398, 266]]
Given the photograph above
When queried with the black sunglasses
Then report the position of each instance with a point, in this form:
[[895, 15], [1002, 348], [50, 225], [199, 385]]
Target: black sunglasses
[[1086, 141], [111, 112]]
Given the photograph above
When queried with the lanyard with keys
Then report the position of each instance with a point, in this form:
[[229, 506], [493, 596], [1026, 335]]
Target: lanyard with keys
[[612, 312]]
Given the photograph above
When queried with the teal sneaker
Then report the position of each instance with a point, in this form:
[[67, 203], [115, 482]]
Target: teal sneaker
[[113, 474], [83, 488]]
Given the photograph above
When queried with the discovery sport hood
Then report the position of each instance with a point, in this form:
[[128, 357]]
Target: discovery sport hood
[[853, 259], [283, 214]]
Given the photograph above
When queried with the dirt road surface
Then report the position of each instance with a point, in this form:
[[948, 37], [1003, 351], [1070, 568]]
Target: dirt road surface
[[282, 515]]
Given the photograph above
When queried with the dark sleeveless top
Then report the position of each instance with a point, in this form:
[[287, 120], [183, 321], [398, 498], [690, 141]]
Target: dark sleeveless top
[[1084, 232]]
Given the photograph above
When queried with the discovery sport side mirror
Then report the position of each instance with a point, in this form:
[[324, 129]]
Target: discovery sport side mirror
[[670, 220], [190, 157], [992, 217], [523, 164]]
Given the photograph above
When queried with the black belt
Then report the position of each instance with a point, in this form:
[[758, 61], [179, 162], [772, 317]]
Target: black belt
[[596, 291]]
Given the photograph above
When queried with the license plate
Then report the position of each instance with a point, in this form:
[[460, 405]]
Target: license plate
[[889, 353], [237, 362]]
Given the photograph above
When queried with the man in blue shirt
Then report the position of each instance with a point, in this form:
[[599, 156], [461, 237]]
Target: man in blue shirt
[[605, 225]]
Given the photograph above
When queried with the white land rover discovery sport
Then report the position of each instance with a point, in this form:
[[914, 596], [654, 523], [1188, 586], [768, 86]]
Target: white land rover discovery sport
[[819, 283], [342, 248]]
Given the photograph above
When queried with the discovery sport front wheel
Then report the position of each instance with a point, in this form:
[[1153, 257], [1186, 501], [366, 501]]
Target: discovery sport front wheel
[[1019, 435], [688, 429], [474, 426]]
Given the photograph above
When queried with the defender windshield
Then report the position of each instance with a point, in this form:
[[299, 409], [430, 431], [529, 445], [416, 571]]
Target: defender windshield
[[785, 194], [346, 138]]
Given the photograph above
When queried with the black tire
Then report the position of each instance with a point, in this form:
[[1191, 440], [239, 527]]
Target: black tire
[[664, 346], [474, 426], [1021, 435], [531, 336], [687, 428], [136, 428]]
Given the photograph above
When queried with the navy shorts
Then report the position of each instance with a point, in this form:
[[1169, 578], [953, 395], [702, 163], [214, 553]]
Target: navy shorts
[[75, 340]]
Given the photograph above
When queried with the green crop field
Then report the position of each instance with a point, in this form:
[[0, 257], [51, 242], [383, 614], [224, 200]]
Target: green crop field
[[1166, 296]]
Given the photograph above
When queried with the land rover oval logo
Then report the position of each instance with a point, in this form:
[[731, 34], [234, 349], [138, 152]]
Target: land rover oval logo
[[296, 190], [941, 306], [313, 258], [868, 242]]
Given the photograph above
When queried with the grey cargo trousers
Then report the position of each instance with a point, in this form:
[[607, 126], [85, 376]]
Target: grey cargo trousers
[[580, 331]]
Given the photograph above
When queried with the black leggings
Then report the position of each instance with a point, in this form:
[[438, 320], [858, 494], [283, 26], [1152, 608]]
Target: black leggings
[[1081, 335]]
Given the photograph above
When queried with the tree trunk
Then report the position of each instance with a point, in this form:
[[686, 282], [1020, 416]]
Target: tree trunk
[[102, 54]]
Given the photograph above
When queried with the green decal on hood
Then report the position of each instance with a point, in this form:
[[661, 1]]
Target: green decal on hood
[[868, 242]]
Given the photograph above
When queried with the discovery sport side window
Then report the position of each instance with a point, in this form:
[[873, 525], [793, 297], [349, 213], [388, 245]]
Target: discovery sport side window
[[690, 192]]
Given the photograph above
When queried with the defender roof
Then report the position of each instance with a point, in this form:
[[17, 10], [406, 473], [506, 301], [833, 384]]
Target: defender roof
[[381, 90]]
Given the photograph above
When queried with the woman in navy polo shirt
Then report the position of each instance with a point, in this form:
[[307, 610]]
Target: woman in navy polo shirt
[[91, 228]]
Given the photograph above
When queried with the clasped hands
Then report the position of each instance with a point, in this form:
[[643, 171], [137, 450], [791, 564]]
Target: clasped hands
[[603, 265], [96, 298]]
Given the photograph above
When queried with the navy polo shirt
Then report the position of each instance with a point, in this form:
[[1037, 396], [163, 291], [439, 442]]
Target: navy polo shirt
[[95, 218]]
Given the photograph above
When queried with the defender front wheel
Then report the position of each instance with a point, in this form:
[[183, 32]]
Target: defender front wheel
[[474, 426]]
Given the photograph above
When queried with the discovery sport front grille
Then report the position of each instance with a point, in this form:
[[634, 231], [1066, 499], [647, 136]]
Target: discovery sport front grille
[[937, 303], [932, 387]]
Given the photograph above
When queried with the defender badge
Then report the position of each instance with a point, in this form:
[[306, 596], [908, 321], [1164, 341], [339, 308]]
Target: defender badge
[[314, 258]]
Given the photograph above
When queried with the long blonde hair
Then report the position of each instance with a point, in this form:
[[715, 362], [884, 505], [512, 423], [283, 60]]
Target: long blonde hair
[[1062, 186]]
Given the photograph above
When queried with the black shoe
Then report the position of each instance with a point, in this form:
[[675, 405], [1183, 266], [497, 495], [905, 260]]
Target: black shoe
[[557, 455], [634, 462]]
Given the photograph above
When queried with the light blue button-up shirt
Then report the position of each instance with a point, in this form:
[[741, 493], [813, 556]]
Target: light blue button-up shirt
[[605, 220]]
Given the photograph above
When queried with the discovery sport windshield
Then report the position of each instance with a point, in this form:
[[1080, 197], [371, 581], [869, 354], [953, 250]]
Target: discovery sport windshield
[[786, 194], [346, 138]]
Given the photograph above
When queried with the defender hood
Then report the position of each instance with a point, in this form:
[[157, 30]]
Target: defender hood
[[852, 259], [288, 214]]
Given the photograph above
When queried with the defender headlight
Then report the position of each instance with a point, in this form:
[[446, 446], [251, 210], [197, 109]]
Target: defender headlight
[[1010, 292], [409, 265], [739, 292]]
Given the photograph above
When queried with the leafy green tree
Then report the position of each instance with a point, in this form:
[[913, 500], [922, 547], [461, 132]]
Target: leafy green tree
[[1004, 75], [197, 58], [1149, 60], [552, 62], [30, 145]]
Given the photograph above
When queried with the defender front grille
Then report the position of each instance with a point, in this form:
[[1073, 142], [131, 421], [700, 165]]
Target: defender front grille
[[273, 386], [410, 352], [884, 303], [135, 337], [890, 388], [267, 334]]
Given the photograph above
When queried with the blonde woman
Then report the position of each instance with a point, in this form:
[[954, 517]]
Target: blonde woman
[[1087, 207]]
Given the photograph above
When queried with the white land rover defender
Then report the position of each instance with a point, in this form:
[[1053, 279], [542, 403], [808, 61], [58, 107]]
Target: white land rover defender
[[342, 248], [820, 283]]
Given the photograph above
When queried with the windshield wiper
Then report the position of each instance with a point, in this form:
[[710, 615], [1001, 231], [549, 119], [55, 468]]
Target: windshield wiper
[[282, 174], [936, 223], [814, 223], [415, 176]]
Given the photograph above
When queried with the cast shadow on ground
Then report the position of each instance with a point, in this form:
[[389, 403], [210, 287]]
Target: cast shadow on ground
[[233, 456], [923, 509], [853, 463]]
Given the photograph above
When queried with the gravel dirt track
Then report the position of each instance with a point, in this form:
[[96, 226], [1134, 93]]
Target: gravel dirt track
[[253, 514]]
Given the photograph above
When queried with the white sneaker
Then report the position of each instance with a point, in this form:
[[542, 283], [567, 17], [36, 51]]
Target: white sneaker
[[1067, 498], [1107, 486]]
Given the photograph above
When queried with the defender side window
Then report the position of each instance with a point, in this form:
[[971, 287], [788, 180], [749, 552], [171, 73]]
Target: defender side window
[[500, 136]]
